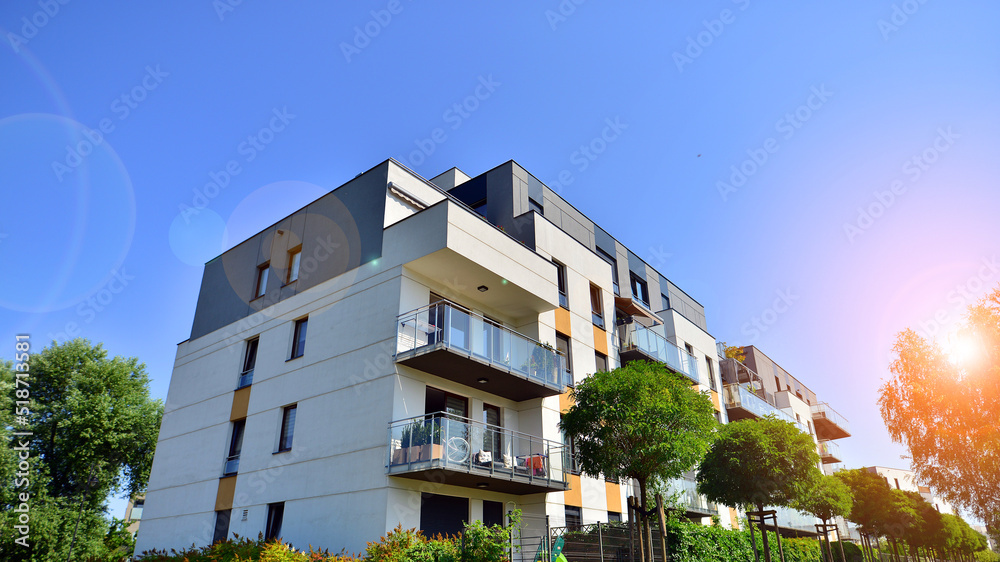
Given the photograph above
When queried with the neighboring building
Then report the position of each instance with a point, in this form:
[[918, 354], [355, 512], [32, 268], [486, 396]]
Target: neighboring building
[[398, 352], [133, 513], [758, 387], [906, 480]]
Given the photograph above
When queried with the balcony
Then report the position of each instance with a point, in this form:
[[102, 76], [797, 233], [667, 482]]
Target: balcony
[[746, 403], [829, 452], [461, 346], [246, 379], [694, 503], [636, 342], [828, 423], [444, 448]]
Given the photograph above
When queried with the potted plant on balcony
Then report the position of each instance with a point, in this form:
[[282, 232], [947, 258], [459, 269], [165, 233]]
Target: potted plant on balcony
[[543, 362], [430, 439], [411, 439]]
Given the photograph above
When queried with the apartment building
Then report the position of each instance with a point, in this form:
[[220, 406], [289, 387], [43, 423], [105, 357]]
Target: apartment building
[[906, 480], [400, 351], [757, 387]]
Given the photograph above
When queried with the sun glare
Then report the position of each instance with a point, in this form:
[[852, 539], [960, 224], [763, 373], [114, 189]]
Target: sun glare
[[962, 349]]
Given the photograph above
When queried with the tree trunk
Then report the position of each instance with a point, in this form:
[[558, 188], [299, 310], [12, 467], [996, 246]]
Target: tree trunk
[[645, 537], [763, 533], [753, 539], [826, 534]]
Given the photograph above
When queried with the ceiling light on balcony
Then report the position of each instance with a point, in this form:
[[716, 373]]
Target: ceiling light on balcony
[[482, 380], [482, 485], [483, 288]]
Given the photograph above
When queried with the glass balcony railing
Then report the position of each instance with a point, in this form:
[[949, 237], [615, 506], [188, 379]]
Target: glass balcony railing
[[690, 499], [739, 396], [633, 336], [823, 411], [246, 379], [444, 325], [445, 441], [232, 465], [790, 518], [829, 450]]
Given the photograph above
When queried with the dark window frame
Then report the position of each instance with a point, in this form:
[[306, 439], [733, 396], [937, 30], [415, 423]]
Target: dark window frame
[[638, 283], [222, 519], [260, 287], [614, 269], [294, 264], [299, 334], [275, 517], [287, 433], [562, 284], [596, 306]]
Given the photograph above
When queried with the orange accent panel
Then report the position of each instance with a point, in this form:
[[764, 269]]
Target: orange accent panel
[[614, 493], [573, 496], [735, 518], [224, 497], [241, 401], [715, 400], [565, 402], [601, 341], [563, 322]]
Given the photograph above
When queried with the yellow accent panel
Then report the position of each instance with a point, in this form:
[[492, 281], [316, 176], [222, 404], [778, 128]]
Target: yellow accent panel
[[735, 518], [614, 493], [565, 402], [241, 401], [601, 341], [224, 497], [573, 496], [715, 400], [563, 322]]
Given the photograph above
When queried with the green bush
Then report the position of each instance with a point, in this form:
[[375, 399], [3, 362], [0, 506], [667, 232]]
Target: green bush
[[851, 550], [693, 542]]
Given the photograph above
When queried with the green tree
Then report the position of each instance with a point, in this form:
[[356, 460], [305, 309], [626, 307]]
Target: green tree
[[758, 463], [94, 430], [878, 510], [642, 422], [944, 411], [828, 499]]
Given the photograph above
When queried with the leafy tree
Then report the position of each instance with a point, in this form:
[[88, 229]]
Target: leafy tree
[[734, 352], [944, 412], [829, 498], [761, 462], [94, 430], [641, 421], [927, 524], [878, 510]]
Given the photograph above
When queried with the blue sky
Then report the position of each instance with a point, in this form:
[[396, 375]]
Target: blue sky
[[817, 175]]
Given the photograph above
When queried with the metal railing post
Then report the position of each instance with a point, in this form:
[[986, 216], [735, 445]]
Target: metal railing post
[[600, 541]]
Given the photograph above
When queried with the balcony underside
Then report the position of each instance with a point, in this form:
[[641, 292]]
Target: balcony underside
[[628, 355], [469, 369], [829, 458], [737, 413], [505, 480], [826, 429]]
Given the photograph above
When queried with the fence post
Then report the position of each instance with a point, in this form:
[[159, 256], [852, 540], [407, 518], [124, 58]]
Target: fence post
[[663, 527], [631, 529], [600, 541], [548, 541]]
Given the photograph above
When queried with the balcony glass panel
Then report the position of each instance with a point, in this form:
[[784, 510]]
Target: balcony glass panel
[[690, 498], [739, 396], [632, 336], [829, 449], [246, 379], [445, 325], [823, 410]]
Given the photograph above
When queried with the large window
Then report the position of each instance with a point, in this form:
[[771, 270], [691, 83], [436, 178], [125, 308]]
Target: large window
[[562, 344], [639, 290], [570, 458], [614, 268], [261, 286], [221, 525], [235, 447], [299, 338], [294, 259], [249, 362], [596, 306], [711, 374], [601, 361], [287, 428], [275, 514], [665, 301], [574, 517], [561, 280]]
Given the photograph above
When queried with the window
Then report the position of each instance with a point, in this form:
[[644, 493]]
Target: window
[[249, 362], [614, 516], [299, 338], [639, 290], [275, 513], [614, 268], [596, 307], [480, 208], [136, 513], [261, 287], [711, 374], [897, 482], [570, 459], [535, 206], [221, 525], [235, 447], [492, 433], [777, 384], [287, 428], [294, 259], [574, 517], [665, 300], [562, 344], [601, 361], [689, 349], [810, 424], [561, 280]]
